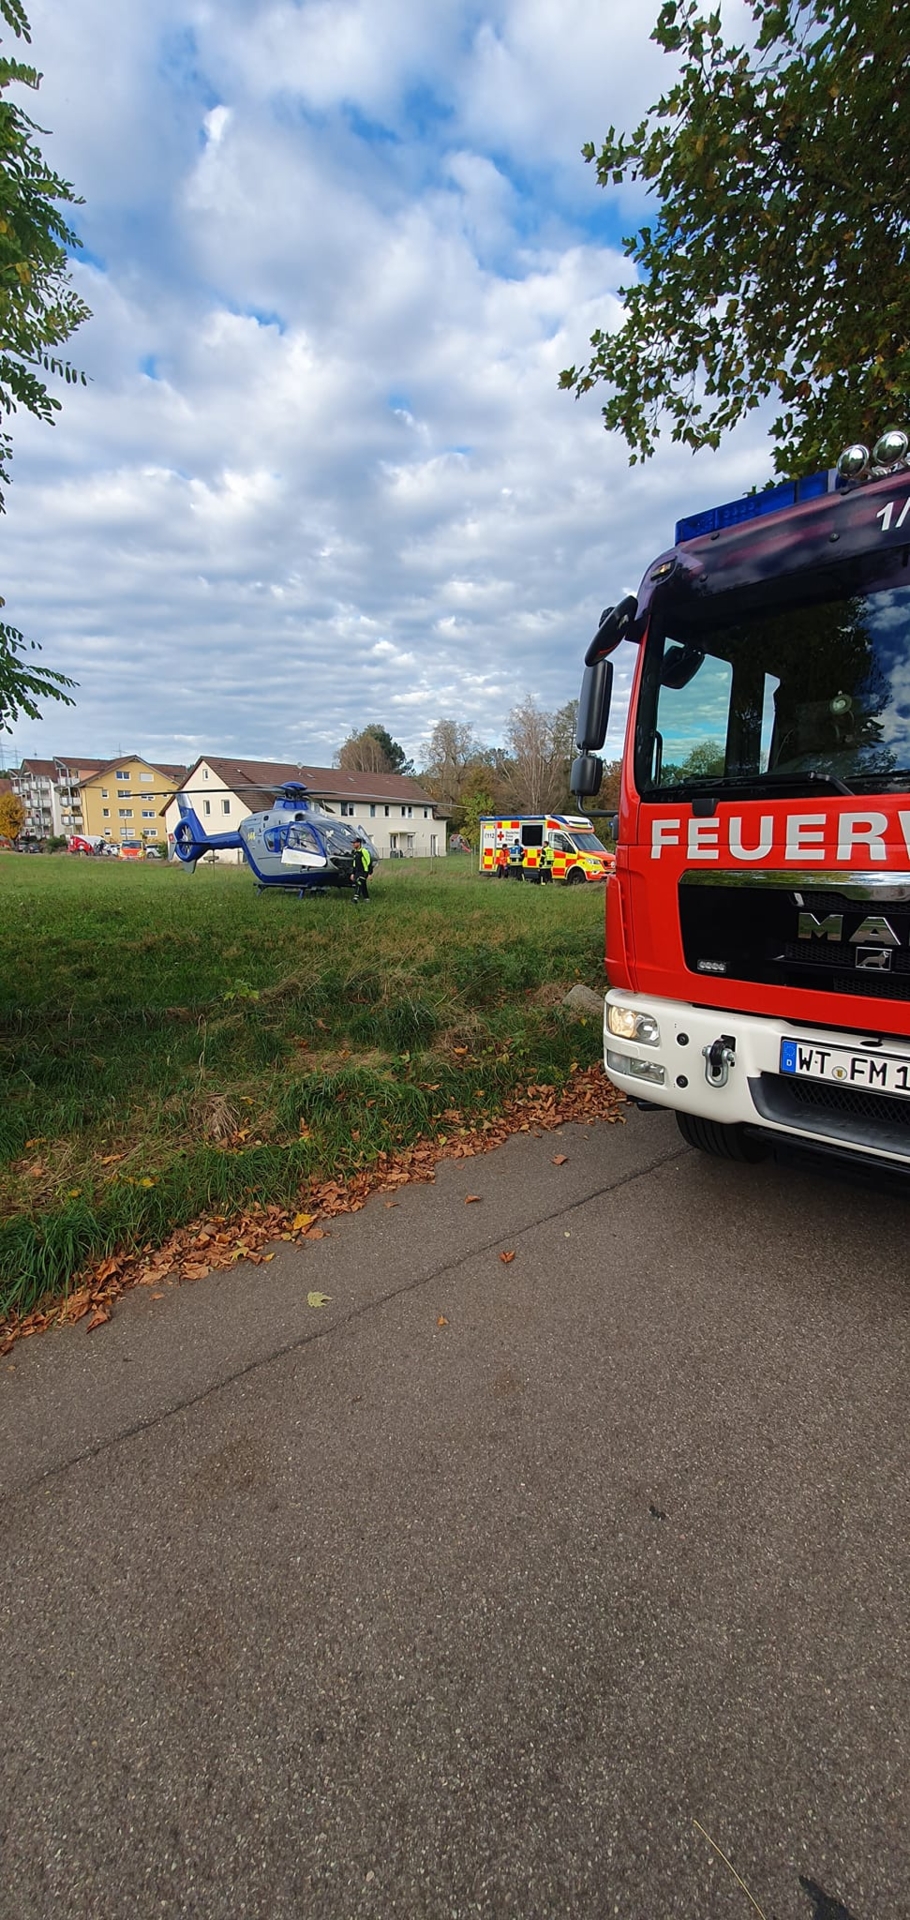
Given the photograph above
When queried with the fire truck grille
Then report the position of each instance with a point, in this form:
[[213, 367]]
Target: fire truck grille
[[851, 1114], [755, 933]]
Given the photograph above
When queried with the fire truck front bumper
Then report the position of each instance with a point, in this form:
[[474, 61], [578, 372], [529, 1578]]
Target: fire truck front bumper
[[836, 1091]]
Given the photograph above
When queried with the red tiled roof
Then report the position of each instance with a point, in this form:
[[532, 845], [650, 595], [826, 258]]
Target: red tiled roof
[[256, 781], [177, 774], [39, 769]]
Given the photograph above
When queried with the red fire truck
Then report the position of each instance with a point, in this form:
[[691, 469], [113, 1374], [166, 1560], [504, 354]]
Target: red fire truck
[[758, 921]]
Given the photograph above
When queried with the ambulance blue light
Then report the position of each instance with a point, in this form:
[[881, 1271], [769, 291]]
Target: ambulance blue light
[[751, 506]]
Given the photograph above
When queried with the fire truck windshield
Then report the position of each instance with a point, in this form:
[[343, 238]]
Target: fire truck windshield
[[774, 696]]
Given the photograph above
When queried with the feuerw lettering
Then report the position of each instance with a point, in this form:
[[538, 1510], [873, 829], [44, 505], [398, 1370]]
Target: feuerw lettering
[[823, 837]]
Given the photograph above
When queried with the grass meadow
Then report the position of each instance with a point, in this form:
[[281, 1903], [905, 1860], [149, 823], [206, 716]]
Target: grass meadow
[[171, 1043]]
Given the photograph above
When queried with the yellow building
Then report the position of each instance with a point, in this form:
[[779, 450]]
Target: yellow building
[[123, 801]]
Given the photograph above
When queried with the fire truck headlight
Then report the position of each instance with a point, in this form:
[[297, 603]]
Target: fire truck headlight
[[649, 1070], [627, 1024]]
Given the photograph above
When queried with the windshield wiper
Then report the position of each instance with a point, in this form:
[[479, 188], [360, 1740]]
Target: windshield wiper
[[764, 780]]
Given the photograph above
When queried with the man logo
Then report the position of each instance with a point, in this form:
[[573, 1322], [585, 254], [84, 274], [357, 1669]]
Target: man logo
[[874, 939], [874, 931]]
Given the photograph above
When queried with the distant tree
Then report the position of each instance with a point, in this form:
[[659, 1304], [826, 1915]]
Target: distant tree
[[610, 787], [38, 312], [477, 799], [12, 815], [447, 760], [540, 753], [778, 261], [373, 751]]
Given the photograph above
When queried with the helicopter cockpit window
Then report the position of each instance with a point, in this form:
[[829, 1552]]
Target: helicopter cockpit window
[[274, 838], [339, 839], [303, 838]]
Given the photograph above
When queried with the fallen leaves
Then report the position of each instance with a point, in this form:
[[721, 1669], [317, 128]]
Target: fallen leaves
[[318, 1299], [559, 1159], [99, 1319], [442, 1321], [471, 1199], [213, 1243]]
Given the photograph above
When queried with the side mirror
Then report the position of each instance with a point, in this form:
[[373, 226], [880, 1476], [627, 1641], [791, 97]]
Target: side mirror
[[586, 776], [615, 624], [594, 707]]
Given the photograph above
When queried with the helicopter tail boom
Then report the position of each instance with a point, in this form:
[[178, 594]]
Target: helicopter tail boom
[[191, 840]]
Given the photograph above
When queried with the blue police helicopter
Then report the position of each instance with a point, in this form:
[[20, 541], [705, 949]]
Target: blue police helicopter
[[296, 844]]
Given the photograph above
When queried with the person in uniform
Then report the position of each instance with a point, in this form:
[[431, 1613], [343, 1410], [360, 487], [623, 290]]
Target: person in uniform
[[546, 864], [515, 860], [361, 868]]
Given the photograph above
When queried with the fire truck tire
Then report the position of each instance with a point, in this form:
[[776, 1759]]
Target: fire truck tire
[[726, 1143], [575, 877]]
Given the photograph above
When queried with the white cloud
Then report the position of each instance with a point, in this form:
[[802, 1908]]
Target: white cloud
[[323, 473]]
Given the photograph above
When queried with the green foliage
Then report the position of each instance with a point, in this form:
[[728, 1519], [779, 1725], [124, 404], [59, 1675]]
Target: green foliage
[[38, 312], [778, 260], [373, 751], [21, 684], [169, 1044], [38, 308]]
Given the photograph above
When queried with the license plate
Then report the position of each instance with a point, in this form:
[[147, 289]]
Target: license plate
[[877, 1072]]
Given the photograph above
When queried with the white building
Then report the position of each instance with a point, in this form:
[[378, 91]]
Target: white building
[[392, 808], [49, 790]]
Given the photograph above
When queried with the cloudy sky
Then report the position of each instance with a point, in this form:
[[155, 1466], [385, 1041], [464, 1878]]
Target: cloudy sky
[[337, 252]]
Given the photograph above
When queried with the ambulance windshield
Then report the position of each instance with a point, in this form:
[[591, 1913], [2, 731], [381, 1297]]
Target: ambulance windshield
[[777, 697], [587, 843]]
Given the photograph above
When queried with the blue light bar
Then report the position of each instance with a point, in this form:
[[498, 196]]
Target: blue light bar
[[751, 506]]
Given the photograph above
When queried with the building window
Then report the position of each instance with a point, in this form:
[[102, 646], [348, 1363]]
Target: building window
[[206, 806], [151, 833], [426, 813], [406, 813], [225, 806], [121, 776], [124, 813], [372, 813], [387, 811], [148, 777], [104, 794], [148, 813], [107, 833], [347, 808], [205, 773]]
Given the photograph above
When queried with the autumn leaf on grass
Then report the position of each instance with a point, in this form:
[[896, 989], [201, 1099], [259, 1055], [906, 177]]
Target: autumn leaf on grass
[[471, 1199], [318, 1299], [302, 1221], [559, 1159], [506, 1257]]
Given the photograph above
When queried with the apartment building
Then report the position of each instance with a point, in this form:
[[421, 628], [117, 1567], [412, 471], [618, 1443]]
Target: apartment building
[[50, 792], [123, 800], [399, 817]]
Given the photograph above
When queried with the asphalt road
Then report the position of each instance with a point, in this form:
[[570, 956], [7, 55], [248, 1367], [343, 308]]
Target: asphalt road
[[330, 1612]]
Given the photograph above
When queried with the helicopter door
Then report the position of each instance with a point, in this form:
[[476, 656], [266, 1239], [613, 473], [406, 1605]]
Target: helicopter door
[[303, 848]]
